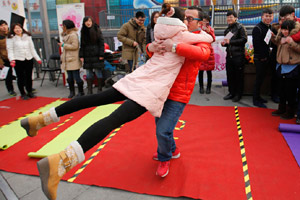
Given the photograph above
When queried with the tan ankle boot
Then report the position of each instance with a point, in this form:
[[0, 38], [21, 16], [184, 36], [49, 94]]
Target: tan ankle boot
[[54, 167], [35, 123]]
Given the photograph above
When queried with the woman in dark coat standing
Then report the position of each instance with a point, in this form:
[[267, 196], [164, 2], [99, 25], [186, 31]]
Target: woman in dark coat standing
[[92, 52], [150, 27]]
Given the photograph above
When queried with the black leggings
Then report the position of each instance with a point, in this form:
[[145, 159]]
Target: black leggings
[[128, 111]]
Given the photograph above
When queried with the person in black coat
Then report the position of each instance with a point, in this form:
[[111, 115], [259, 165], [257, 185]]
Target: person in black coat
[[235, 58], [262, 52], [91, 52], [150, 27]]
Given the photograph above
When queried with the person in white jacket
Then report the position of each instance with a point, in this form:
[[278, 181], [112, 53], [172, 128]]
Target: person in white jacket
[[21, 51], [153, 82]]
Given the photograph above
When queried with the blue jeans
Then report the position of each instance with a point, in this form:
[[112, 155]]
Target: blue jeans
[[164, 128], [90, 73], [74, 75]]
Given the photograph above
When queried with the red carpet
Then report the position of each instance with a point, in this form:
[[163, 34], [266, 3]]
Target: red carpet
[[210, 166], [273, 170], [13, 108]]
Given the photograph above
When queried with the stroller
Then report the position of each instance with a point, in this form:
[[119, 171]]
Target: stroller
[[115, 68]]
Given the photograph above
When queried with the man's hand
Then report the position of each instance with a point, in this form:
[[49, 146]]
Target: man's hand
[[135, 44], [226, 41], [82, 60], [156, 47], [168, 43], [101, 58]]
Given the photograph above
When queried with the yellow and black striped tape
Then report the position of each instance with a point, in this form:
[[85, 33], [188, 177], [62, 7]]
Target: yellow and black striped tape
[[61, 124], [243, 154], [26, 115], [93, 155], [182, 125]]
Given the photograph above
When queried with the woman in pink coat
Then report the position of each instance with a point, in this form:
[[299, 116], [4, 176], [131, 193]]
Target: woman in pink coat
[[144, 89]]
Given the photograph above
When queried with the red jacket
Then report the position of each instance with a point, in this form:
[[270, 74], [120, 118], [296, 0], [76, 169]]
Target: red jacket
[[210, 63], [183, 86], [296, 37]]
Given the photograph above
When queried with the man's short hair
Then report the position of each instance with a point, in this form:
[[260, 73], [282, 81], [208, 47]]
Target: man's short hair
[[3, 22], [267, 11], [200, 11], [231, 12], [286, 10], [140, 14]]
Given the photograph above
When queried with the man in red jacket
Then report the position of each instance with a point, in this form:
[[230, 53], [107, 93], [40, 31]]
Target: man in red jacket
[[287, 12], [181, 90]]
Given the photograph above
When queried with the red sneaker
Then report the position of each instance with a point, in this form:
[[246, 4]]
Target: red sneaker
[[175, 154], [163, 168]]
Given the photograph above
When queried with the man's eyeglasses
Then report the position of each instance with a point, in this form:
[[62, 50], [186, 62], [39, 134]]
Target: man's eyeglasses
[[190, 19]]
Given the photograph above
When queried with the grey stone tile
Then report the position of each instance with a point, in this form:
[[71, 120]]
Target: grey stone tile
[[23, 184]]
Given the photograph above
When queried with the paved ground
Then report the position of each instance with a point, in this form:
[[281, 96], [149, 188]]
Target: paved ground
[[24, 187]]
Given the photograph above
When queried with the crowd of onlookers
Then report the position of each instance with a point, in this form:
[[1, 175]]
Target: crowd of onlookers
[[276, 47]]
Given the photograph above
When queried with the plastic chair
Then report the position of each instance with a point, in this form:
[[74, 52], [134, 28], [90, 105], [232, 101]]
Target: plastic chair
[[53, 65]]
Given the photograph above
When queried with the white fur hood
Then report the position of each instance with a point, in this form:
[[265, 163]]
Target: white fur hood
[[168, 27]]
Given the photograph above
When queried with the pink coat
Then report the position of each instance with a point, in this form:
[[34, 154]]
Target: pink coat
[[150, 84]]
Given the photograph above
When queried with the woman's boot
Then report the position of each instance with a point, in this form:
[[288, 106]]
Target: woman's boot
[[54, 167], [89, 86], [80, 89], [100, 83], [71, 88], [34, 123], [208, 87], [281, 109]]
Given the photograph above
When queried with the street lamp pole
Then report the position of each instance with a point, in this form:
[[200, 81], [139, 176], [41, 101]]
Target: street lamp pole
[[46, 29]]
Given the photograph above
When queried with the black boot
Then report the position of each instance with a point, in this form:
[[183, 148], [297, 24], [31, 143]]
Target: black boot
[[289, 113], [200, 78], [89, 86], [71, 88], [208, 87], [80, 89], [281, 109], [100, 83]]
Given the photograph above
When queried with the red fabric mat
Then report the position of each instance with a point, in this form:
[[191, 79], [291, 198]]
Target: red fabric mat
[[13, 108], [274, 173], [15, 158], [210, 166]]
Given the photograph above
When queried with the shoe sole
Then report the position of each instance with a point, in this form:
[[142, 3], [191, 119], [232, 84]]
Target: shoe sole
[[43, 168], [173, 157], [25, 125]]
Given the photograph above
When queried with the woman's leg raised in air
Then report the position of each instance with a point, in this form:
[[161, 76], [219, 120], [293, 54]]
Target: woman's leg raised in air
[[34, 123], [54, 167]]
